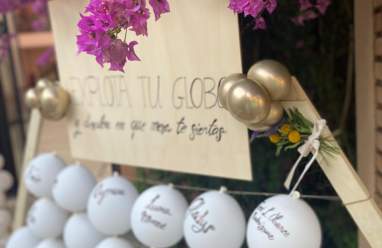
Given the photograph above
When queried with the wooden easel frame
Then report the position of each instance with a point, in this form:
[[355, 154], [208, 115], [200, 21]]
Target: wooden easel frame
[[341, 174], [33, 137]]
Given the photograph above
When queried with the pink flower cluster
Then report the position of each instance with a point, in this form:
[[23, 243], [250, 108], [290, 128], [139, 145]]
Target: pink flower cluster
[[10, 5], [104, 20], [40, 9], [254, 8], [310, 11]]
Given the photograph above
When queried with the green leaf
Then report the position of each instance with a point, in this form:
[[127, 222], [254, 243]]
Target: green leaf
[[278, 150]]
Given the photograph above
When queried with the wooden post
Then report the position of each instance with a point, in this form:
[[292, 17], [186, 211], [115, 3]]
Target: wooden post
[[365, 97], [342, 176], [30, 151]]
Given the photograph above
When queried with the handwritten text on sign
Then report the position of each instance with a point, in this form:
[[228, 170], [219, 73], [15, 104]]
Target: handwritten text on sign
[[114, 92], [163, 113]]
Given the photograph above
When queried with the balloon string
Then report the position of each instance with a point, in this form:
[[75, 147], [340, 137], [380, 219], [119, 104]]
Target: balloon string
[[307, 167], [311, 145], [233, 192]]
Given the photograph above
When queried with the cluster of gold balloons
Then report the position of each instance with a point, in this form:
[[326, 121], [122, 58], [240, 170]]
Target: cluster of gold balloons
[[50, 98], [255, 99]]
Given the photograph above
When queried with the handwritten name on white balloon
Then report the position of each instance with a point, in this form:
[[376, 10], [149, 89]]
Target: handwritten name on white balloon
[[100, 193], [34, 174], [200, 217], [268, 215], [154, 207]]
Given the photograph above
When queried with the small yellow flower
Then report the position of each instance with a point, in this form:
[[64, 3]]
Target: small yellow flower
[[285, 129], [275, 138], [294, 137]]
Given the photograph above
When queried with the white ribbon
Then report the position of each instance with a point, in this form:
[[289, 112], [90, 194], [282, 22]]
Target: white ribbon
[[311, 145]]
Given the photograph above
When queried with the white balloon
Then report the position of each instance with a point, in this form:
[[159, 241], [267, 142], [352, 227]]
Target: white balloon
[[73, 187], [79, 232], [41, 173], [158, 215], [114, 243], [45, 219], [51, 243], [284, 221], [22, 238], [110, 205], [214, 219], [5, 221], [6, 181]]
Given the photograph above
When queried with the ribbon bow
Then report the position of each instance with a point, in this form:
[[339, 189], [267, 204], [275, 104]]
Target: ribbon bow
[[311, 145]]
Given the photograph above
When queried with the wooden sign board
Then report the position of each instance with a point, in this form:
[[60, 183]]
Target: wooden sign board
[[163, 113]]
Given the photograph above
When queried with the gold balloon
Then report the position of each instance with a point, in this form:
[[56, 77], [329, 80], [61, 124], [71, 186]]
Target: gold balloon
[[42, 84], [275, 114], [258, 128], [54, 102], [226, 84], [274, 76], [31, 99], [248, 102]]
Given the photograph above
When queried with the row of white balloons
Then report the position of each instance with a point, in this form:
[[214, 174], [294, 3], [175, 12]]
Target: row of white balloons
[[60, 210], [6, 183], [159, 217]]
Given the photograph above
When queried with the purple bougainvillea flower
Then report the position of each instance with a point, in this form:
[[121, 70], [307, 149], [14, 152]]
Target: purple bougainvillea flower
[[322, 5], [47, 57], [103, 23], [116, 53], [271, 6], [260, 23], [159, 7], [237, 5], [40, 9], [131, 55], [305, 16], [7, 5], [39, 6], [10, 5], [305, 5], [254, 8], [41, 23], [309, 11], [138, 20]]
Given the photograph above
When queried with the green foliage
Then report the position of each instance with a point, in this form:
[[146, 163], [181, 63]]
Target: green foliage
[[300, 128]]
